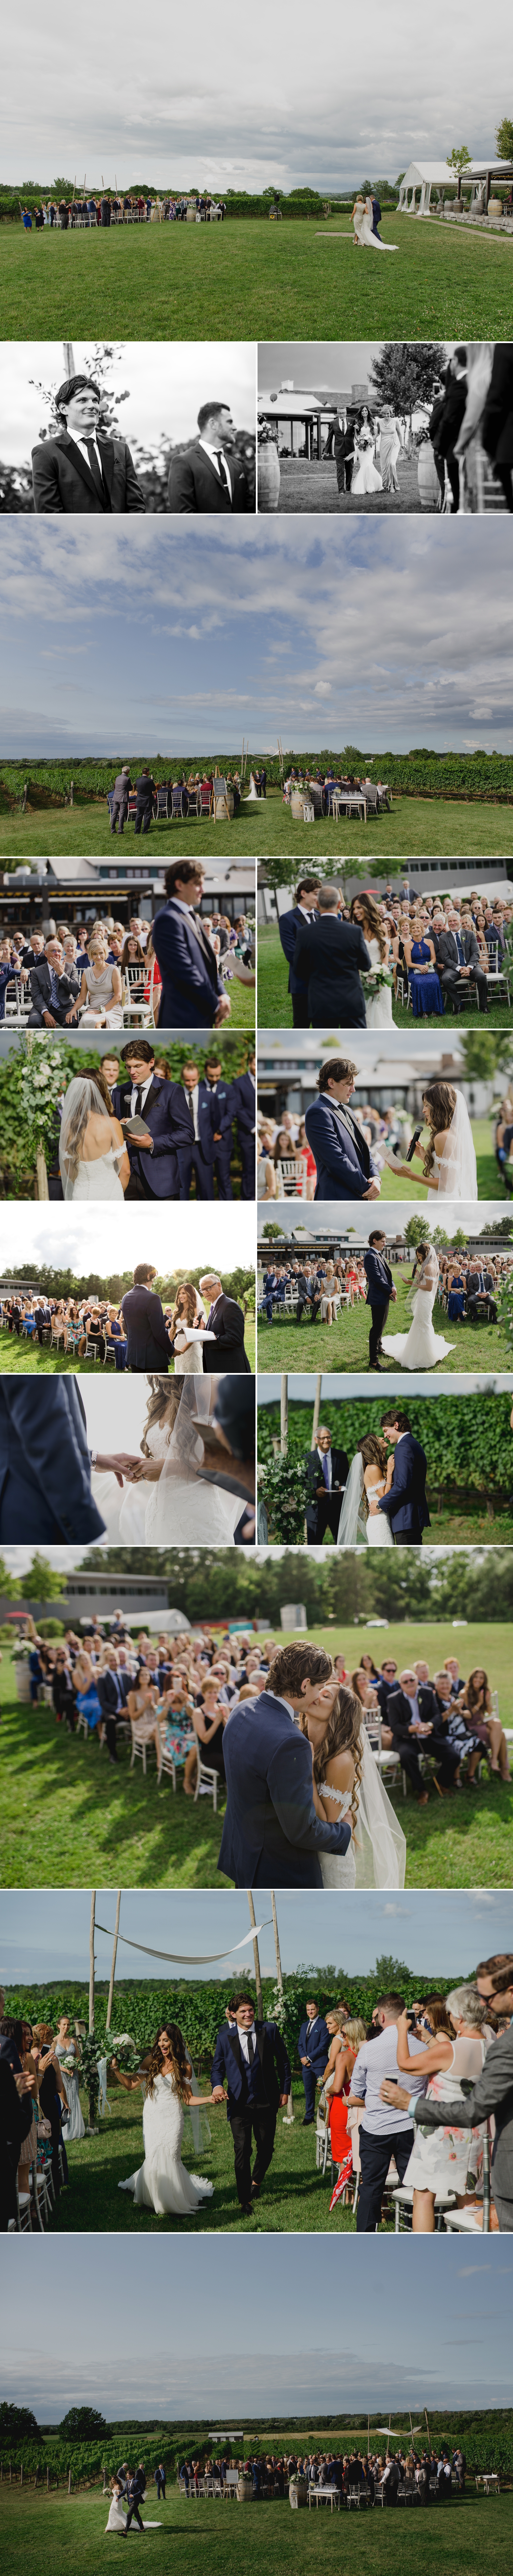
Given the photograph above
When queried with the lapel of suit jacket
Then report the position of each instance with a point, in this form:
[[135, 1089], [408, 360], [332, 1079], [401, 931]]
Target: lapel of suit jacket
[[216, 478], [199, 934], [352, 1131], [234, 2042], [79, 462], [106, 453]]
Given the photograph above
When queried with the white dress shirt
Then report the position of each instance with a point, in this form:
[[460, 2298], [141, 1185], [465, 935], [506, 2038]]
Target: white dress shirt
[[325, 1461], [215, 454], [84, 443], [244, 2036]]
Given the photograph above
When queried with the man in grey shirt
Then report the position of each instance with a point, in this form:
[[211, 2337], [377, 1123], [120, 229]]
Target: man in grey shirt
[[384, 2131]]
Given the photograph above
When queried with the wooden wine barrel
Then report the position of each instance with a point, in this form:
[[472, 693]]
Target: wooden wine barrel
[[298, 2492], [494, 207], [224, 807], [245, 2491], [269, 477], [427, 478], [296, 804], [22, 1678]]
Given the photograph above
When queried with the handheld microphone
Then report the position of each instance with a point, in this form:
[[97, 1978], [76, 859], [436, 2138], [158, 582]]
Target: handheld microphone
[[411, 1148]]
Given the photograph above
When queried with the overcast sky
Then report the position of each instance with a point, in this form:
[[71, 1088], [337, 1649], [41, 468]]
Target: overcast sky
[[92, 1239], [44, 1932], [165, 382], [302, 1389], [368, 632], [180, 2328], [240, 100]]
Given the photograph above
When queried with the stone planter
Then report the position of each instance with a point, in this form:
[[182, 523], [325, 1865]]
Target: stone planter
[[22, 1679], [269, 477], [245, 2491], [427, 478], [298, 2493]]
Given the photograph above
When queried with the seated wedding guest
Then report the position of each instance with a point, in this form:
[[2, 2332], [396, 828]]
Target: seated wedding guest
[[100, 999], [477, 1707], [210, 476], [112, 1696], [416, 1721], [83, 469], [114, 1333], [63, 1692], [209, 1725], [54, 993], [142, 1705]]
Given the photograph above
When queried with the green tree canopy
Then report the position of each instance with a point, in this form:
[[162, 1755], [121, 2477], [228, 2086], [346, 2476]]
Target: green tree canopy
[[406, 371], [504, 138], [43, 1583], [81, 2423], [459, 158], [17, 2423]]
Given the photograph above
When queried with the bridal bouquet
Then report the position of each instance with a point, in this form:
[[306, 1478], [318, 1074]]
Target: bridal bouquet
[[376, 979]]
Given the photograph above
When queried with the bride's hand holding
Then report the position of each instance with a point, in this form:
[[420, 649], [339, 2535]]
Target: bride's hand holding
[[119, 1465]]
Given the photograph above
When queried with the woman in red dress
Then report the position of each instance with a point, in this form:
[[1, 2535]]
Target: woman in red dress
[[352, 2036]]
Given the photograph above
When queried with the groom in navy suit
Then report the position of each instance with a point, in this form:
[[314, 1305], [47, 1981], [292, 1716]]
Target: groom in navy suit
[[272, 1836], [251, 2058], [405, 1506], [154, 1168], [345, 1169], [45, 1463], [193, 996], [313, 2049], [380, 1289]]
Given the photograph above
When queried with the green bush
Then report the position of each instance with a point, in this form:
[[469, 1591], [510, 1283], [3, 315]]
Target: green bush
[[466, 1442]]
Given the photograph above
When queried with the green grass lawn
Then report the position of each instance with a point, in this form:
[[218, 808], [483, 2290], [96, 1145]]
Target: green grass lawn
[[345, 1345], [417, 826], [66, 1822], [25, 1359], [294, 2196], [274, 1003], [489, 1185], [254, 281], [469, 2538], [82, 831]]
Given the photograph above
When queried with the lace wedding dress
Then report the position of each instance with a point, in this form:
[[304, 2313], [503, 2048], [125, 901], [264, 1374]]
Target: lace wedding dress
[[338, 1871], [378, 1012], [162, 2183], [421, 1347], [178, 1510], [362, 224], [100, 1179], [366, 479], [377, 1853], [372, 1529]]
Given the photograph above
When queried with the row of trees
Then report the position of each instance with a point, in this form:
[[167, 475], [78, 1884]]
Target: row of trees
[[66, 1283], [486, 2438], [199, 2007], [345, 1589]]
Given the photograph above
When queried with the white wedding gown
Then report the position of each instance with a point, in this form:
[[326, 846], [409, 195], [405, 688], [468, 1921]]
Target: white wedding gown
[[366, 479], [178, 1510], [377, 1528], [335, 1871], [421, 1347], [99, 1179], [362, 223], [116, 2519], [162, 2183], [378, 1013]]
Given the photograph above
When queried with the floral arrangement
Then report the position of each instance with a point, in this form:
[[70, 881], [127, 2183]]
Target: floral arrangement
[[285, 1492], [40, 1085]]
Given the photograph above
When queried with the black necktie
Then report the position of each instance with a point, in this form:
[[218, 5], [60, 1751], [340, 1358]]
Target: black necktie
[[95, 467], [223, 477], [138, 1104]]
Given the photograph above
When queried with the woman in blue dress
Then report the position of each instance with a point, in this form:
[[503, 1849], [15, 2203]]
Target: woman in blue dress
[[88, 1704], [423, 977], [115, 1332], [456, 1299]]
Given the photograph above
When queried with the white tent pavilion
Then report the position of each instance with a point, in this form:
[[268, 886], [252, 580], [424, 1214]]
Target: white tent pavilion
[[423, 175]]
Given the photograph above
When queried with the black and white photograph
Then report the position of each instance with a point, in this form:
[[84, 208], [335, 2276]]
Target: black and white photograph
[[126, 427], [387, 426]]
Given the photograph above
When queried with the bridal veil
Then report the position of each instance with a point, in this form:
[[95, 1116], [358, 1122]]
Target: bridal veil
[[379, 1843], [457, 1176], [185, 1511], [82, 1097], [352, 1527]]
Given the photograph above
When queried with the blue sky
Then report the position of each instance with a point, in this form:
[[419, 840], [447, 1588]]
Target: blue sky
[[150, 637], [44, 1932], [249, 101], [366, 2321]]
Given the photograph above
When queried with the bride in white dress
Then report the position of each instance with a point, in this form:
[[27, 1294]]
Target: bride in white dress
[[364, 237], [347, 1782], [370, 1472], [420, 1348], [366, 476], [449, 1162], [93, 1159], [162, 2183], [116, 2514], [378, 1012], [164, 1502]]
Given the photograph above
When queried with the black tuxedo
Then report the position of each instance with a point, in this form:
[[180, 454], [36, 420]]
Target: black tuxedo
[[63, 481], [343, 450], [253, 2096], [226, 1320], [323, 1512], [329, 956], [194, 484], [41, 992], [148, 1346]]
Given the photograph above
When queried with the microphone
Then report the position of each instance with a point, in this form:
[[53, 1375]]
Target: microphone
[[411, 1148]]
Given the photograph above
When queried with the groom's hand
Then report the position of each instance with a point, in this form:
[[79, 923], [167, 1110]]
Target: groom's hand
[[283, 2100], [373, 1505], [120, 1466], [373, 1192], [218, 2093]]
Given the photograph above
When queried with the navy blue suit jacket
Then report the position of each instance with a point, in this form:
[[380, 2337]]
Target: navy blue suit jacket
[[243, 1095], [162, 1113], [191, 984], [314, 2043], [344, 1163], [272, 1836], [45, 1463], [379, 1278], [288, 924], [229, 2064], [147, 1342], [405, 1505]]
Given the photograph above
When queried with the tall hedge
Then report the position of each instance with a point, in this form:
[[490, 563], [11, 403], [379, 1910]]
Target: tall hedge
[[467, 1439]]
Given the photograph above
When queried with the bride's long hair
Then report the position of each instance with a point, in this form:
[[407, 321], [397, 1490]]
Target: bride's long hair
[[186, 1303], [163, 1402], [374, 1453], [441, 1099], [179, 2061], [76, 1126], [372, 920], [343, 1735]]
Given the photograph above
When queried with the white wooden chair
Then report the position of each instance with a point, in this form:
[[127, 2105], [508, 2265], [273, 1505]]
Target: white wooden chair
[[141, 1745], [291, 1174], [206, 1778]]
